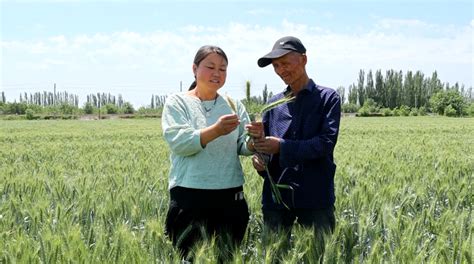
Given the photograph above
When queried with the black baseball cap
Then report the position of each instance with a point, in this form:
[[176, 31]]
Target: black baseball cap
[[282, 47]]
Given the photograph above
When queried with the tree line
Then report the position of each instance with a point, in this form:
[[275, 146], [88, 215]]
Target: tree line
[[46, 98], [373, 92], [64, 104], [396, 90]]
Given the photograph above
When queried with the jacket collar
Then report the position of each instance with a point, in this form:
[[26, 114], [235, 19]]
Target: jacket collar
[[282, 118], [310, 87]]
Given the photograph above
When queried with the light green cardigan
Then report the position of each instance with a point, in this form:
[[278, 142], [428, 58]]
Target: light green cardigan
[[217, 166]]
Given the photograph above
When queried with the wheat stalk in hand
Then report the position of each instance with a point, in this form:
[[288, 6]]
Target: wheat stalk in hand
[[276, 195]]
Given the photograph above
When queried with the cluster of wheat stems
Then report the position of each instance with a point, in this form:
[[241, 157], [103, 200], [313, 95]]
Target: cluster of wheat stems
[[275, 187]]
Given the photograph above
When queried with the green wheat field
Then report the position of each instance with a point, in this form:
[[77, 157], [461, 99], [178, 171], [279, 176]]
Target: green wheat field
[[96, 192]]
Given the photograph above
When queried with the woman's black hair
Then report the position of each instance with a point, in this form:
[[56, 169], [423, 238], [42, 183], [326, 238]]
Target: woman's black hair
[[201, 54]]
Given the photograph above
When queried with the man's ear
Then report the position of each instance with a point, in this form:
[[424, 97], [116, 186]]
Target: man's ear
[[304, 58]]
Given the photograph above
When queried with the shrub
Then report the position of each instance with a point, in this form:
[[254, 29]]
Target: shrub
[[149, 111], [15, 108], [128, 108], [404, 110], [30, 114], [396, 112], [111, 109], [350, 108], [470, 109], [450, 111], [66, 109], [363, 111], [422, 111], [386, 112], [88, 108], [441, 100]]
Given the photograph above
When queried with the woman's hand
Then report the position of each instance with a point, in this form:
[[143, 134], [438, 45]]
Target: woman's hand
[[226, 124], [255, 130], [223, 126]]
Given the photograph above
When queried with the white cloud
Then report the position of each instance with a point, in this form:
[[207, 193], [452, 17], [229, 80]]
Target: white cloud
[[389, 23], [39, 48], [259, 12], [156, 62]]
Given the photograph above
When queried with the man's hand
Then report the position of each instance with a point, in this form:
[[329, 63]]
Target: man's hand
[[267, 145], [258, 163]]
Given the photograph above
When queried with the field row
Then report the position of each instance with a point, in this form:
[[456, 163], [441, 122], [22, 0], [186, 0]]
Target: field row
[[96, 192]]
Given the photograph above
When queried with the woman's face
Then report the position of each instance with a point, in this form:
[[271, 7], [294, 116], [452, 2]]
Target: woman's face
[[211, 72]]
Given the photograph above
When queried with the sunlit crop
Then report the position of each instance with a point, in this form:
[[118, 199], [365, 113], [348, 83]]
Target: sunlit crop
[[96, 192]]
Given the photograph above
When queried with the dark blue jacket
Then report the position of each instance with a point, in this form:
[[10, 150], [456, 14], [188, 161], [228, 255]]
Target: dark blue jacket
[[309, 128]]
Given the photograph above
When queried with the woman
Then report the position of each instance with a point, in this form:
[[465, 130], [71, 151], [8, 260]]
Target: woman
[[206, 132]]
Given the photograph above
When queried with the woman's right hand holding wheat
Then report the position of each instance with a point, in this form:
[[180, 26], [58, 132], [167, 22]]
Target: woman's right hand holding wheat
[[255, 132], [226, 124]]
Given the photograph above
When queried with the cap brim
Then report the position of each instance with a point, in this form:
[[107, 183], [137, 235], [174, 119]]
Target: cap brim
[[267, 59]]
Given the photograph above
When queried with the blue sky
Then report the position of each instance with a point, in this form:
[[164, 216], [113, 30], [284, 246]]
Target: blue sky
[[140, 48]]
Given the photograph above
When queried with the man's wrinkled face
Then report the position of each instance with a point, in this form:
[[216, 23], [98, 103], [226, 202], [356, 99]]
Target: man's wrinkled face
[[290, 67]]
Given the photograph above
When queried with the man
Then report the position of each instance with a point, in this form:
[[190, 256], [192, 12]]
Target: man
[[300, 137]]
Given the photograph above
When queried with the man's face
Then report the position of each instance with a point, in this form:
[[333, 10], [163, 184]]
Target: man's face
[[290, 67]]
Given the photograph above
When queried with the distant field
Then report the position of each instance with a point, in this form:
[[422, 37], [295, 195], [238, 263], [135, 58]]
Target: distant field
[[96, 192]]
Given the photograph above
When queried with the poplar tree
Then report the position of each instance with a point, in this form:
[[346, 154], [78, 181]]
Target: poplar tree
[[379, 90], [360, 88], [342, 93], [265, 94], [369, 87]]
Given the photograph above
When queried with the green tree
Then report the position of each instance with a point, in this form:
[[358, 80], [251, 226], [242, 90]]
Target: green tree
[[342, 93], [369, 87], [441, 100], [128, 108], [379, 97], [450, 111], [111, 108], [66, 109], [352, 95], [434, 85], [88, 108], [399, 88], [390, 83], [470, 109], [30, 114], [265, 94], [418, 90], [408, 90], [369, 107], [350, 108], [15, 108], [360, 88]]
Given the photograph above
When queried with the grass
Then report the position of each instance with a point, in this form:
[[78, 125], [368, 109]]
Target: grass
[[96, 192]]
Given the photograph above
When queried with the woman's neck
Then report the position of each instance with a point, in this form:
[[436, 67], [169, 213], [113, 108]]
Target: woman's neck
[[203, 95]]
